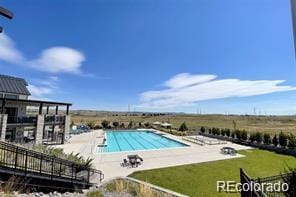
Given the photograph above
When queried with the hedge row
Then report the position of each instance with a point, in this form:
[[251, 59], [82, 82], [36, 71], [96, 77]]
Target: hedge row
[[283, 140]]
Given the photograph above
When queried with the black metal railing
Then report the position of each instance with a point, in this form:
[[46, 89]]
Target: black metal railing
[[244, 178], [21, 120], [29, 162], [54, 119]]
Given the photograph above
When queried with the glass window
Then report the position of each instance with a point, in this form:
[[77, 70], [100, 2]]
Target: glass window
[[11, 96]]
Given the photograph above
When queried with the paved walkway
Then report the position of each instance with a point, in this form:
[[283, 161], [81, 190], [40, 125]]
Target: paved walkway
[[109, 163]]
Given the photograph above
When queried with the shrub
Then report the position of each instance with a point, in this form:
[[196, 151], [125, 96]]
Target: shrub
[[234, 124], [140, 124], [233, 134], [252, 137], [210, 131], [202, 129], [105, 124], [183, 127], [244, 135], [59, 153], [227, 132], [275, 141], [266, 139], [216, 131], [283, 139], [292, 141], [122, 125], [91, 124], [238, 134], [223, 132], [98, 127], [130, 125], [94, 194], [115, 124], [259, 137], [147, 124]]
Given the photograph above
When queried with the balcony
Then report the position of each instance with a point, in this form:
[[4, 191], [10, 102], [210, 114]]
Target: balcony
[[54, 119], [21, 120]]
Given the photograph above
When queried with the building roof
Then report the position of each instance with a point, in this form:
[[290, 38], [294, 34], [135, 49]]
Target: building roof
[[14, 85], [35, 102]]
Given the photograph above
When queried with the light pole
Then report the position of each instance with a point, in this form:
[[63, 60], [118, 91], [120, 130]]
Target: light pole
[[6, 13]]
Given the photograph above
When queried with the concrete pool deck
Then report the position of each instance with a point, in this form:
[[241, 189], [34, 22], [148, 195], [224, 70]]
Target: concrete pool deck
[[109, 163]]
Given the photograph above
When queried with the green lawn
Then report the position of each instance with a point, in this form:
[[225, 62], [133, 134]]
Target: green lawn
[[200, 179]]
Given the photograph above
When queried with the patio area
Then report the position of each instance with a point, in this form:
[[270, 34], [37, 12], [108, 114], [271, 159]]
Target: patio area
[[109, 163]]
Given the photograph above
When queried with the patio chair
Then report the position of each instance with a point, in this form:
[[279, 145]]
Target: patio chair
[[133, 162], [125, 163], [140, 159]]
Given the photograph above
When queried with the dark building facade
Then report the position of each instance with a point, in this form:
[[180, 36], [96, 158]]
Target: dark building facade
[[24, 120]]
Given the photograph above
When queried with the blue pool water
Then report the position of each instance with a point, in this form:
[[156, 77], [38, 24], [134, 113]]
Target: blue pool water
[[118, 141]]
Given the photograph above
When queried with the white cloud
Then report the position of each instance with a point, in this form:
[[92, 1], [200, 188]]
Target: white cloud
[[43, 87], [57, 59], [8, 51], [186, 89], [185, 79], [39, 91]]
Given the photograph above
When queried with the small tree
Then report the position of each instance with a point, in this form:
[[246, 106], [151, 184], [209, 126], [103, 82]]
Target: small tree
[[234, 125], [202, 129], [238, 134], [233, 135], [140, 124], [130, 125], [252, 137], [183, 127], [210, 131], [275, 141], [292, 141], [259, 137], [223, 132], [266, 139], [72, 124], [216, 131], [147, 124], [227, 132], [115, 124], [122, 125], [244, 135], [91, 124], [283, 140], [105, 124]]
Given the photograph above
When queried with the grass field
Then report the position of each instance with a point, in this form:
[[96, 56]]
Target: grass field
[[269, 124], [200, 179]]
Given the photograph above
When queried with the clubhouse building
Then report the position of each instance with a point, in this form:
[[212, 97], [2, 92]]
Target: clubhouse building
[[23, 120]]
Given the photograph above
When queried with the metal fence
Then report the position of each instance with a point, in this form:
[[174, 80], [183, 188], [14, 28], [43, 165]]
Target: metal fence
[[25, 162], [244, 178]]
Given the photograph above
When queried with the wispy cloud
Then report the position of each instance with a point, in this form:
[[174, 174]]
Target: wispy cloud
[[186, 89], [59, 59], [8, 51], [42, 88]]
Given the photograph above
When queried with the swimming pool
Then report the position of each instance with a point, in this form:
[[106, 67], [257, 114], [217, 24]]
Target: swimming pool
[[131, 140]]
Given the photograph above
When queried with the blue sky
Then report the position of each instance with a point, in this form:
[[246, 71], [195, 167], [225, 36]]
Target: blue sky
[[212, 56]]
